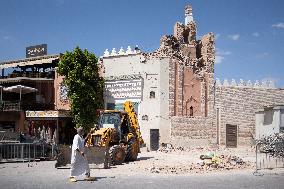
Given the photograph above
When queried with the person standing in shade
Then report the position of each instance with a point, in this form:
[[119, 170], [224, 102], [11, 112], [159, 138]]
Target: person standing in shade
[[79, 163]]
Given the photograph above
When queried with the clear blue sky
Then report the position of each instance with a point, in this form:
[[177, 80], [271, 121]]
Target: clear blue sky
[[250, 33]]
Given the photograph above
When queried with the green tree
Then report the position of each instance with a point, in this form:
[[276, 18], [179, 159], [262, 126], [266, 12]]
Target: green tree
[[85, 86]]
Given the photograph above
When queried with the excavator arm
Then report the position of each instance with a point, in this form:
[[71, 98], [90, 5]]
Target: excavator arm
[[129, 109]]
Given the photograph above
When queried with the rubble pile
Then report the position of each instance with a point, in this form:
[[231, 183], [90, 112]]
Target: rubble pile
[[207, 165], [224, 162], [166, 148], [273, 145], [179, 50], [208, 162], [169, 47]]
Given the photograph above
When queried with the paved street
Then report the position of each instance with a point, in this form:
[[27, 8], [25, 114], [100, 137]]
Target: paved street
[[43, 175]]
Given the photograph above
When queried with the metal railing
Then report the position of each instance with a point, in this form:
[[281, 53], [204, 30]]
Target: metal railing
[[49, 75], [268, 155], [22, 152]]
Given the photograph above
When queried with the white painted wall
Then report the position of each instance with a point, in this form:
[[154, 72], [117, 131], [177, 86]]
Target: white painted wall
[[164, 100], [282, 118], [265, 128], [155, 77]]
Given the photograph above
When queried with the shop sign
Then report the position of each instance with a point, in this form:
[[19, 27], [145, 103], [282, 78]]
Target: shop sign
[[122, 89], [47, 114], [37, 50]]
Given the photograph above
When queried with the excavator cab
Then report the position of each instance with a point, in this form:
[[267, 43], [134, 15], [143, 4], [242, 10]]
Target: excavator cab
[[118, 123], [110, 120]]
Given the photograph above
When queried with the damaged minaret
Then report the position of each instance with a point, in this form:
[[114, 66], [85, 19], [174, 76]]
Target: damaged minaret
[[188, 14], [186, 33], [183, 45], [192, 67]]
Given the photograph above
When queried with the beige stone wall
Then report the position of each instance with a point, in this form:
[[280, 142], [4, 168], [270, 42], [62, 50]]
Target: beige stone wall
[[209, 95], [237, 106], [172, 84], [188, 131]]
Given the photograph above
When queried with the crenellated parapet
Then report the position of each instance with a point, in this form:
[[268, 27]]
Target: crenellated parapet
[[269, 84], [122, 52]]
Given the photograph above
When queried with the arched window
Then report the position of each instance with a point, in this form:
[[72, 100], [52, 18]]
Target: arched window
[[191, 111], [152, 94]]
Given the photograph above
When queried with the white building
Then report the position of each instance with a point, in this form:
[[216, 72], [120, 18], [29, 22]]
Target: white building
[[129, 76], [269, 121]]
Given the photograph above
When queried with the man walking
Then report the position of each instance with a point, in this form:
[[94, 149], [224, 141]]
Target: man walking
[[79, 163]]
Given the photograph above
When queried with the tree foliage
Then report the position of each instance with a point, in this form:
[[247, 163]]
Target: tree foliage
[[85, 86]]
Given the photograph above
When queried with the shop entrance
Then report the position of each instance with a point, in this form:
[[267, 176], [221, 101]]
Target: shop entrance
[[60, 131]]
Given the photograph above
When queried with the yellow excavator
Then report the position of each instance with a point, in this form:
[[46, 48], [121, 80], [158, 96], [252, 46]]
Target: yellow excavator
[[119, 132]]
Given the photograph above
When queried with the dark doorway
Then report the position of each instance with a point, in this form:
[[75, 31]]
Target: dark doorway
[[231, 136], [191, 111], [154, 139]]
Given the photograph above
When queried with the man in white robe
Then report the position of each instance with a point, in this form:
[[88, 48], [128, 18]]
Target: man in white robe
[[79, 163]]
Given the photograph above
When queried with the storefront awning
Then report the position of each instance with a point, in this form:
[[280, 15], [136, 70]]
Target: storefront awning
[[24, 79], [47, 59], [20, 89]]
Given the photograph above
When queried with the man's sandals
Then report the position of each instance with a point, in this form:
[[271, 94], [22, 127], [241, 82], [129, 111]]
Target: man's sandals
[[89, 179], [72, 179]]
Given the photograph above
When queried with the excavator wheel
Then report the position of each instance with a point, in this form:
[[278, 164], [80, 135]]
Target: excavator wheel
[[132, 151], [117, 155]]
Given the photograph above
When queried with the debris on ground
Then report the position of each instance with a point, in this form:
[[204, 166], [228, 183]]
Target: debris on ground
[[273, 145], [166, 147], [181, 160], [216, 163]]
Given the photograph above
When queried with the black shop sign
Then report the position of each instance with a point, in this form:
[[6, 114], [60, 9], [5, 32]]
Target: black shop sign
[[37, 50]]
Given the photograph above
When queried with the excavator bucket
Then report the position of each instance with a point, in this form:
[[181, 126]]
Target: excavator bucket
[[98, 157]]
